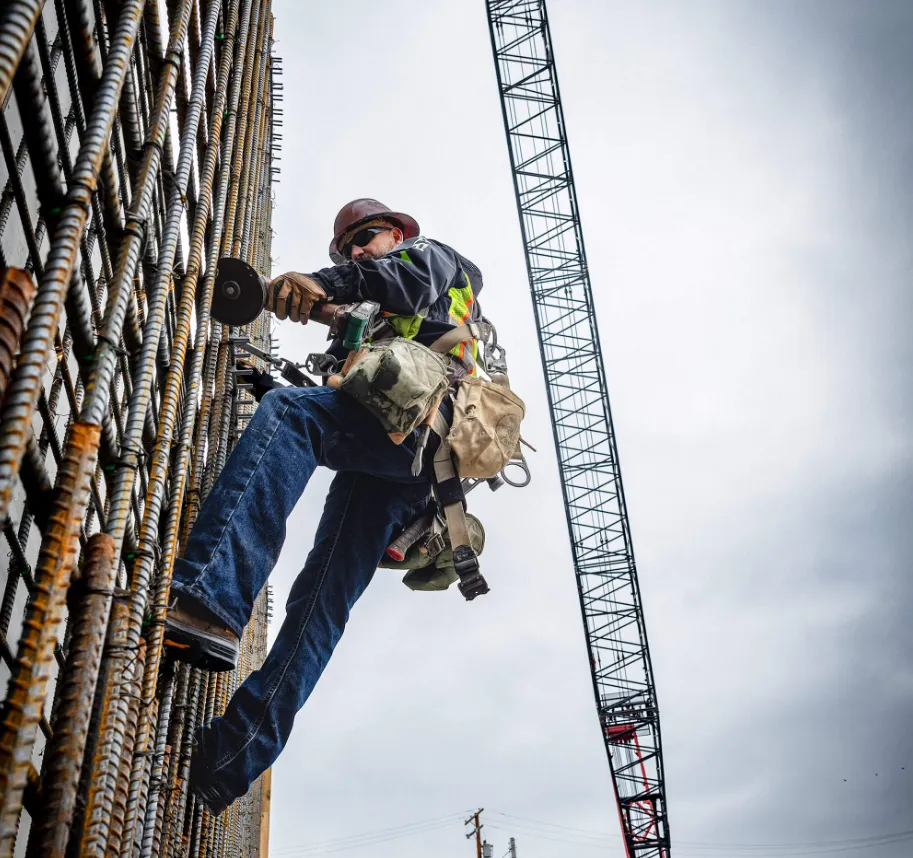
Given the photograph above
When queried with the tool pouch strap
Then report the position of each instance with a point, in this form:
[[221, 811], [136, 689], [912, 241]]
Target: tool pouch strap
[[450, 497]]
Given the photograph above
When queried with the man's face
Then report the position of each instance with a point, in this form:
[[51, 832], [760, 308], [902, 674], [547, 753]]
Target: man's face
[[378, 246]]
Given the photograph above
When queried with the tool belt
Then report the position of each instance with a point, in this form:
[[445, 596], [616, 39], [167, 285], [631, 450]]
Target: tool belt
[[402, 383]]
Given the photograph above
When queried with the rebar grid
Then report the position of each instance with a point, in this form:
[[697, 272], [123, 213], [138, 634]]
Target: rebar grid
[[128, 129]]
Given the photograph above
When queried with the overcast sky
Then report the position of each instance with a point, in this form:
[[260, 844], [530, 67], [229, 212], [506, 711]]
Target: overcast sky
[[744, 177]]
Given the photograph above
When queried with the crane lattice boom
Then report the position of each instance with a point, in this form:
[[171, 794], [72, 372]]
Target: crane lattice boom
[[581, 419]]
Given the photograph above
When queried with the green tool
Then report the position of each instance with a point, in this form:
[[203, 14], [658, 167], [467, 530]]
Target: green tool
[[359, 321]]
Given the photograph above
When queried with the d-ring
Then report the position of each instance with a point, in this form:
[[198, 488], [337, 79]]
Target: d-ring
[[521, 464]]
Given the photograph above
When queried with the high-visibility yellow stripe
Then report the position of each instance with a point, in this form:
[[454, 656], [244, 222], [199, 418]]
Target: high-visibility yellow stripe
[[405, 326], [461, 301]]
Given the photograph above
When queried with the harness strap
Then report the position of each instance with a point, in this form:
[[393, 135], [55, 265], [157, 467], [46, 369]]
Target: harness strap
[[465, 560], [444, 475], [461, 334]]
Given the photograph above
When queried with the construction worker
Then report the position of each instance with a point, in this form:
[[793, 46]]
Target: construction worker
[[425, 288]]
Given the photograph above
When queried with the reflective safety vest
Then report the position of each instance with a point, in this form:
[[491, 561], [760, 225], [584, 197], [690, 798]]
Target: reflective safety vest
[[461, 301]]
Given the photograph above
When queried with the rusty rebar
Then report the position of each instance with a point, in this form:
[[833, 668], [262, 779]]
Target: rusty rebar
[[120, 294], [73, 497], [127, 778], [17, 21], [16, 292], [116, 834], [96, 397], [74, 698], [120, 661], [131, 449], [161, 462], [245, 203], [151, 836], [31, 672], [177, 804]]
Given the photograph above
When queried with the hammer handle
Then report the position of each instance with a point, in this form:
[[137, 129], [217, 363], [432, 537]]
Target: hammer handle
[[398, 548]]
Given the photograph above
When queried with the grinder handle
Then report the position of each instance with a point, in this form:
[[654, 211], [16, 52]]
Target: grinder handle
[[324, 312]]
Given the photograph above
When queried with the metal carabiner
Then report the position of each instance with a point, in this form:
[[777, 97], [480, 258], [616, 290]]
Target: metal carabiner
[[322, 364], [521, 464]]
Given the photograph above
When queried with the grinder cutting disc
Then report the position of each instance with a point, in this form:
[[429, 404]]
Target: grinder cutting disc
[[240, 293]]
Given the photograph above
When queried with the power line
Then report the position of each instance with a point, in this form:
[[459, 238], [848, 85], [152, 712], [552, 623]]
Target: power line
[[368, 838], [558, 833], [581, 837]]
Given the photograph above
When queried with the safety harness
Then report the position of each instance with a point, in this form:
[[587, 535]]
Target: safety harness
[[448, 487]]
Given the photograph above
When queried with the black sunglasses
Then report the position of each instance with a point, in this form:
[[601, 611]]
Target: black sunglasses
[[363, 237]]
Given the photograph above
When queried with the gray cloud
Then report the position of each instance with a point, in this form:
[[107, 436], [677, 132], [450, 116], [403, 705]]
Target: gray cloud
[[744, 175]]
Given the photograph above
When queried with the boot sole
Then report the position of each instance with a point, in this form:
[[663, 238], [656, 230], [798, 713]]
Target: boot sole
[[199, 649]]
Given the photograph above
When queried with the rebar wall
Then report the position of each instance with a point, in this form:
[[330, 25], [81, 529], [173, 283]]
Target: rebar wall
[[137, 148], [581, 419]]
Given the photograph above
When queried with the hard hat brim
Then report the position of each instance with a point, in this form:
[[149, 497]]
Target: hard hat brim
[[407, 223]]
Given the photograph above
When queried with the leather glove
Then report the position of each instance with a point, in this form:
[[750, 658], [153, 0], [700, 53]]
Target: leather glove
[[292, 295]]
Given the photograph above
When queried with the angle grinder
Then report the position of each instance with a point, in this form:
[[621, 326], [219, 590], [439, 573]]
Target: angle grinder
[[240, 292]]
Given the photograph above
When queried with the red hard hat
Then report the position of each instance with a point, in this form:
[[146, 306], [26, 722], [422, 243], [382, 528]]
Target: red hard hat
[[361, 211]]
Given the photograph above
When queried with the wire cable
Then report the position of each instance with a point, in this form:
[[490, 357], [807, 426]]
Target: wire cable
[[582, 837], [369, 837]]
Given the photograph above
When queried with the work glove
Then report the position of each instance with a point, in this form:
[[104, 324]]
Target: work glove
[[292, 295], [261, 382]]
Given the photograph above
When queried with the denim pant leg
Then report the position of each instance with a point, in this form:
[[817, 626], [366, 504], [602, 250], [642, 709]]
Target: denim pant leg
[[237, 538], [360, 517]]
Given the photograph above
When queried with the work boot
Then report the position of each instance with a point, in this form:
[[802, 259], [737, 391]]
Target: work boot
[[200, 784], [195, 635]]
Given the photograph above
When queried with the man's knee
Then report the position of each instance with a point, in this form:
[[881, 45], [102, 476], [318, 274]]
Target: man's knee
[[280, 399], [301, 400]]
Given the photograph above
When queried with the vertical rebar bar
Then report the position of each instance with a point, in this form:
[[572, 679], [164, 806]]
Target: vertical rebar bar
[[120, 660], [150, 832], [117, 833], [87, 623], [29, 681]]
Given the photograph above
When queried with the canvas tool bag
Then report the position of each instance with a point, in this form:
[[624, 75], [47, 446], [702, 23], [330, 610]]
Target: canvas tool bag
[[485, 434], [398, 381]]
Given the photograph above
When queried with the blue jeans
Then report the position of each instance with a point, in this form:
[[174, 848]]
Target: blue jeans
[[236, 542]]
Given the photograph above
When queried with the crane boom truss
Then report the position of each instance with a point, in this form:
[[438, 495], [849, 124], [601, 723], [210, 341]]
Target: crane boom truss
[[569, 343]]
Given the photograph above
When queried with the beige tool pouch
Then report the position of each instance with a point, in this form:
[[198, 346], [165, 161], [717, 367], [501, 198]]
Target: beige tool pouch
[[485, 434], [398, 381]]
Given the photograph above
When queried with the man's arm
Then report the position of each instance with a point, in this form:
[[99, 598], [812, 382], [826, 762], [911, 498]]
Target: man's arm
[[406, 281]]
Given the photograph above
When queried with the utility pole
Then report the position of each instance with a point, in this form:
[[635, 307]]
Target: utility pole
[[513, 848], [476, 831]]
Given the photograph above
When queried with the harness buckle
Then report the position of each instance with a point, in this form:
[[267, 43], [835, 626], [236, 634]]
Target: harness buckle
[[435, 544], [466, 564], [495, 359]]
